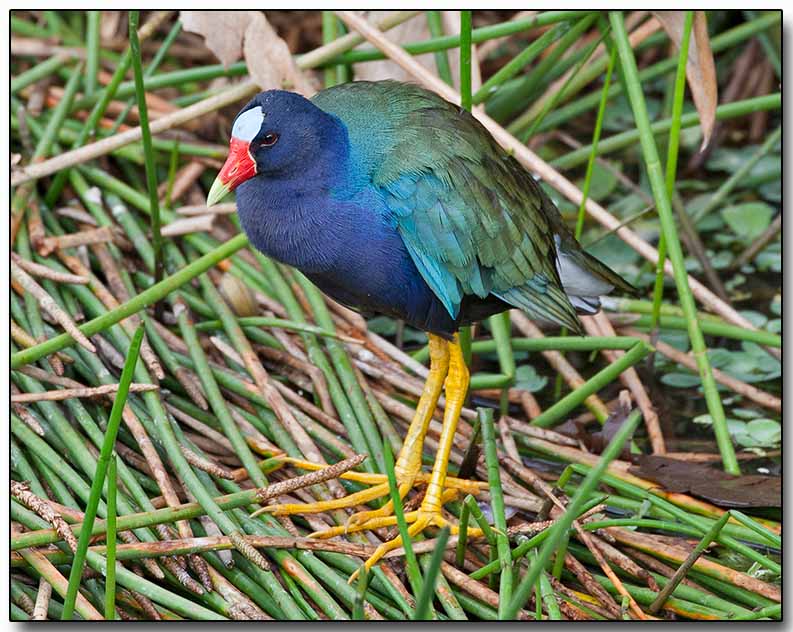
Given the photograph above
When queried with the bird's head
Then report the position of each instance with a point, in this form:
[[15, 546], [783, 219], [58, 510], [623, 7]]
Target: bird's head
[[275, 134]]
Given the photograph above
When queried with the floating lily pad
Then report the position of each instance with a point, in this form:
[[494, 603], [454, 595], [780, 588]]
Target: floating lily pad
[[527, 378], [748, 220]]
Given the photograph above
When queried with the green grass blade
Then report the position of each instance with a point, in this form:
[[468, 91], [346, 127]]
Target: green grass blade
[[148, 150], [520, 61], [92, 52], [411, 564], [441, 58], [671, 159], [363, 580], [579, 225], [663, 203], [462, 537], [101, 469], [110, 539], [424, 601], [497, 508], [586, 488]]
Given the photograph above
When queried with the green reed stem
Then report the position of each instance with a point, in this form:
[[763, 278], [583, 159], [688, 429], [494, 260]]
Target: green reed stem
[[97, 484], [497, 508], [135, 304], [103, 99], [671, 159], [662, 201], [579, 225], [554, 414], [549, 598], [454, 41], [148, 150], [629, 137], [465, 60], [520, 61], [769, 48], [699, 522], [44, 145], [550, 103], [92, 52], [529, 85], [755, 526], [149, 72], [330, 31], [682, 570], [719, 43], [462, 537], [110, 538], [411, 565], [424, 601], [275, 323], [561, 526], [480, 519], [216, 400], [769, 612], [441, 58], [38, 72], [738, 177], [365, 576]]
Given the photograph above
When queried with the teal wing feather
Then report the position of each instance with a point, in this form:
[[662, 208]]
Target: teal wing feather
[[473, 220]]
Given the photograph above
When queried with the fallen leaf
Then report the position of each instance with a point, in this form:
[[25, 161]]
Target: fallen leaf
[[222, 31], [708, 483], [700, 67], [230, 34], [269, 61]]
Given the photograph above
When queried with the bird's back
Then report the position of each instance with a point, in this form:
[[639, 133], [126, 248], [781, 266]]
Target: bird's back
[[476, 223]]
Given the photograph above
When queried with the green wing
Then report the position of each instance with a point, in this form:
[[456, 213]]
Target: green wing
[[473, 220]]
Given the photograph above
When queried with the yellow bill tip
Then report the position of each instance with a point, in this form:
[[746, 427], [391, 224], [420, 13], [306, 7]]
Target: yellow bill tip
[[217, 192]]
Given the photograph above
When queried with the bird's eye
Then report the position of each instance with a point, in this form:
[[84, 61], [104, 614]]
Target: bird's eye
[[270, 139]]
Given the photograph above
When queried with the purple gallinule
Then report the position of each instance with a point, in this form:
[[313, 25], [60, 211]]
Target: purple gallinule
[[395, 201]]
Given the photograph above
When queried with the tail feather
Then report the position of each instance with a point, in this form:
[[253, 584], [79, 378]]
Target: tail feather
[[600, 269], [551, 305]]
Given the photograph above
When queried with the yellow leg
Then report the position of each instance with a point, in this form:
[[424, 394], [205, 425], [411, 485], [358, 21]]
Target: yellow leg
[[446, 362], [429, 513], [408, 464], [456, 389]]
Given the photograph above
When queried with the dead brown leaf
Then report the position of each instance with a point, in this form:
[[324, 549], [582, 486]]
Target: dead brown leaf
[[700, 68], [706, 482], [231, 34], [222, 31]]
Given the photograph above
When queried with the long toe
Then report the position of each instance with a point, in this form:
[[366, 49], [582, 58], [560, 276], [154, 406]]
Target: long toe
[[352, 500]]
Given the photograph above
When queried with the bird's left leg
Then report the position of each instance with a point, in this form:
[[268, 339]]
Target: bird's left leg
[[429, 513], [408, 465]]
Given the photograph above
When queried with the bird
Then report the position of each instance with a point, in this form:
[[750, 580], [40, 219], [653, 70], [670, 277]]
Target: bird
[[394, 201]]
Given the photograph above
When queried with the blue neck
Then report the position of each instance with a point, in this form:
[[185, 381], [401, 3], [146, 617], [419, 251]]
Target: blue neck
[[296, 216]]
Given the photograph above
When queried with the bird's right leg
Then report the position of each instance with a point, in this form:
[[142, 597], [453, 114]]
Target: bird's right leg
[[408, 464]]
